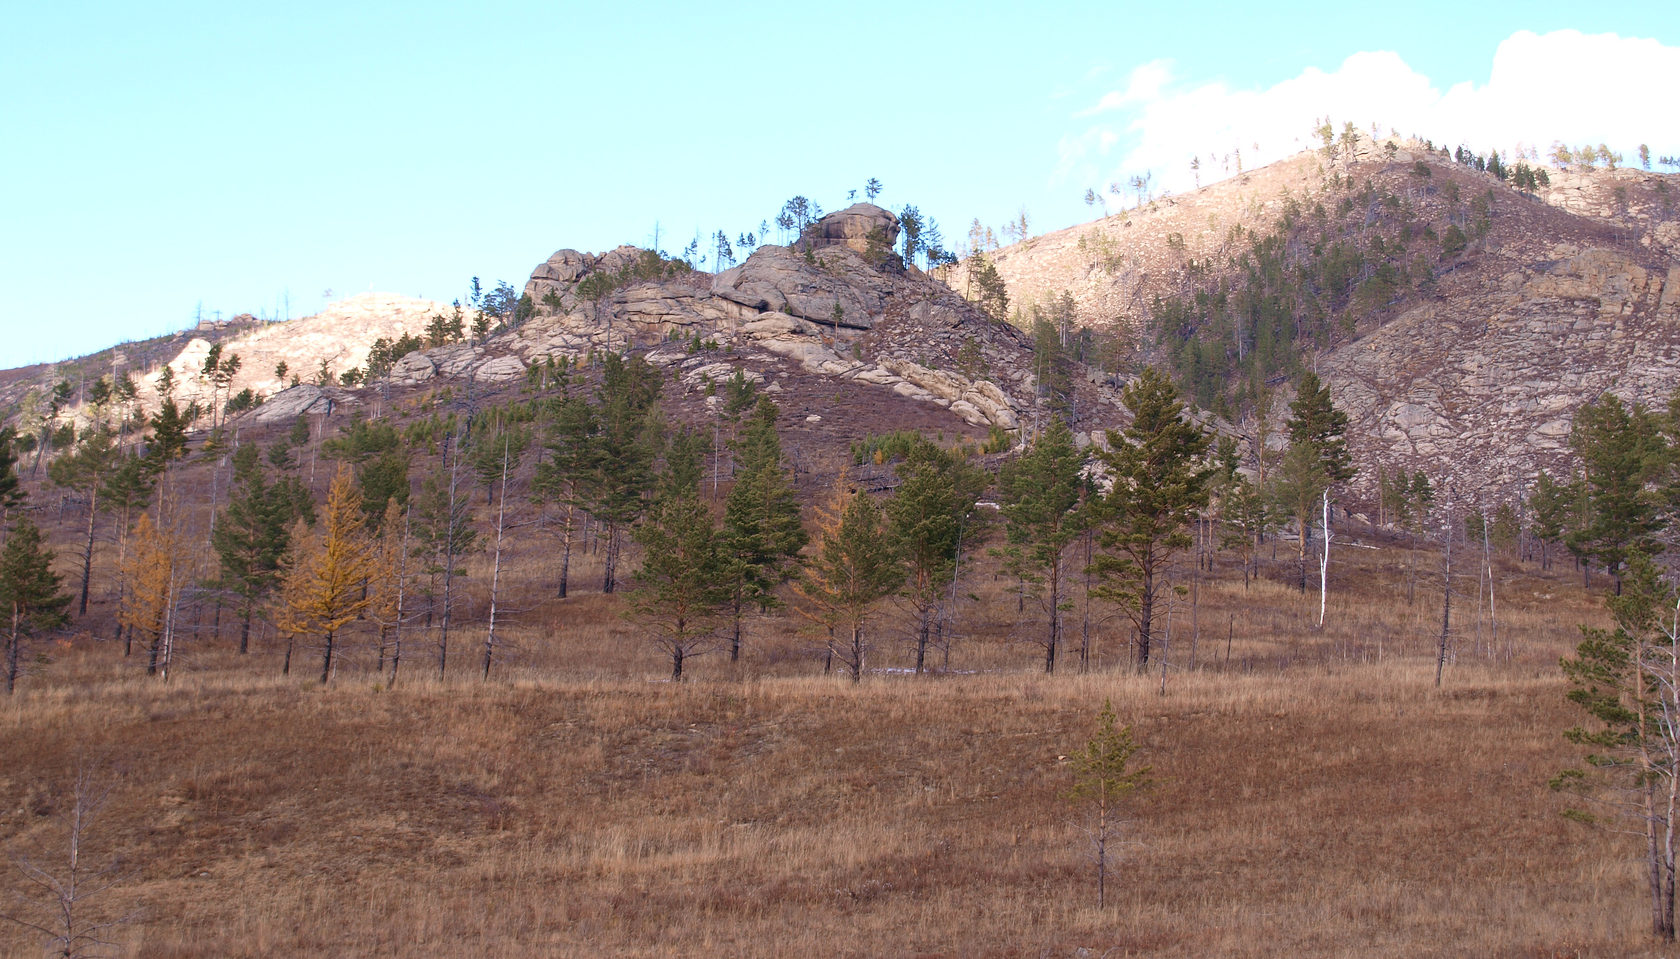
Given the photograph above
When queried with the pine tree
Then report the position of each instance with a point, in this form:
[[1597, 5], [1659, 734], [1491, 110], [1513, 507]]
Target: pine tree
[[855, 566], [929, 516], [11, 487], [253, 533], [1549, 505], [994, 293], [618, 456], [1043, 506], [1627, 680], [30, 597], [381, 461], [84, 471], [507, 441], [169, 433], [1160, 484], [762, 533], [680, 587], [325, 582], [1320, 460], [1103, 778], [1624, 456], [559, 479]]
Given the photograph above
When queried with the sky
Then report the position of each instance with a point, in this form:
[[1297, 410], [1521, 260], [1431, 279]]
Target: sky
[[171, 160]]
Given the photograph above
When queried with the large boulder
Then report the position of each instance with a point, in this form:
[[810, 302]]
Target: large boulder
[[851, 227], [775, 279], [303, 400]]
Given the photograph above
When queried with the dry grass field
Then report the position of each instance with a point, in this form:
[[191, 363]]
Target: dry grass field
[[1315, 793]]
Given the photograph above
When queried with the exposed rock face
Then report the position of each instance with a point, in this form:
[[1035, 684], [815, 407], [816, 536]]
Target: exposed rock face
[[289, 404], [560, 273], [851, 228], [827, 310], [1638, 200], [776, 279], [1483, 392], [339, 335], [1473, 377]]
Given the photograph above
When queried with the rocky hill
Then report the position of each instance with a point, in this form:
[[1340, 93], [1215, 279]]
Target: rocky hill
[[847, 339], [1459, 320]]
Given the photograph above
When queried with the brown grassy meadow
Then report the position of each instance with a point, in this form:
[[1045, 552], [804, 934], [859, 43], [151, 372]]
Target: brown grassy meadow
[[1315, 793]]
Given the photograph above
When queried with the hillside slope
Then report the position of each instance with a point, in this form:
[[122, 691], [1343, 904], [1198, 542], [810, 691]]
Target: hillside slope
[[1459, 320]]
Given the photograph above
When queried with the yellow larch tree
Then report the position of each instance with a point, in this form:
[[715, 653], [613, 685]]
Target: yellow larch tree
[[154, 573], [326, 580]]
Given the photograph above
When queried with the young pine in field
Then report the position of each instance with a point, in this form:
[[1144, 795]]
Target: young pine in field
[[1103, 778]]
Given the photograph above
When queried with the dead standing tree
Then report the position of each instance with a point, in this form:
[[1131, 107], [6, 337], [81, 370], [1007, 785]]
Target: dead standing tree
[[60, 909]]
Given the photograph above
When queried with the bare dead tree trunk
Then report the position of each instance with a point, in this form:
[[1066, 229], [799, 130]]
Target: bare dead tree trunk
[[1324, 561], [62, 909], [402, 586], [1493, 612], [496, 570], [1085, 613], [1446, 607], [450, 532]]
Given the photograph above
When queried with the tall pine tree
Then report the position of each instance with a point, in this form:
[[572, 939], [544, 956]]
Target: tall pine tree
[[1043, 504], [30, 599], [762, 533], [1160, 483], [929, 514]]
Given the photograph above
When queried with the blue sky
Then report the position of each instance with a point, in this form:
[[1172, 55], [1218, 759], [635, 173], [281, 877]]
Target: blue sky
[[173, 155]]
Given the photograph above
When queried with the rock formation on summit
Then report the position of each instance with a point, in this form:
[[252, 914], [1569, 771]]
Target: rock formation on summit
[[838, 304]]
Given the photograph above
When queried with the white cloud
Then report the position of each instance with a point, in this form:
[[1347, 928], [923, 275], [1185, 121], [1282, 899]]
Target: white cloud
[[1564, 85]]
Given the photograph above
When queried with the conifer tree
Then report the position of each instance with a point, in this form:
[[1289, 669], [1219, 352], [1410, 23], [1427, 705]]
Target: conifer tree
[[1623, 455], [929, 516], [1317, 458], [618, 459], [11, 487], [381, 462], [84, 471], [125, 492], [325, 584], [762, 533], [1160, 483], [30, 598], [497, 451], [253, 532], [1043, 506], [1103, 778], [568, 423], [680, 586], [158, 568], [855, 566], [1627, 679], [169, 433], [1549, 507]]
